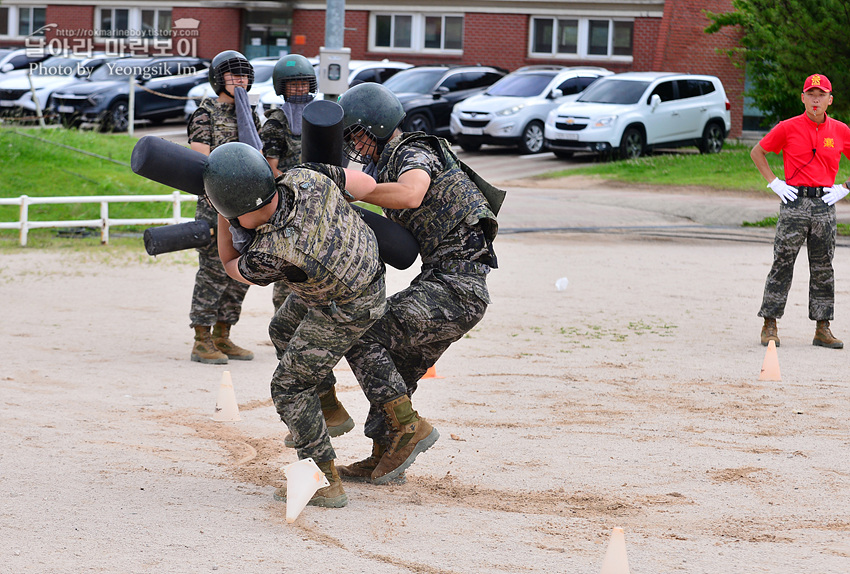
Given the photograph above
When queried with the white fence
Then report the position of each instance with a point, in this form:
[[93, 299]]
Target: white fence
[[24, 224]]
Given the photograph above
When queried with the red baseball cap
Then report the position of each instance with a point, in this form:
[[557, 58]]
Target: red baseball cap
[[817, 81]]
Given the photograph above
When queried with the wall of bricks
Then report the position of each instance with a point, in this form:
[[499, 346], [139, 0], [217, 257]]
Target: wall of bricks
[[220, 28]]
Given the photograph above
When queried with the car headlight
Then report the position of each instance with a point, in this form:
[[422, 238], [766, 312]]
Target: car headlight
[[605, 122], [96, 98], [511, 110]]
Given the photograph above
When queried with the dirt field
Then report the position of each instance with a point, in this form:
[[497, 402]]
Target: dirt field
[[629, 399]]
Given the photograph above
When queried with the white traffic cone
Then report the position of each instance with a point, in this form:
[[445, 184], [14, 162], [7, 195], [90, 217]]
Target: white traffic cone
[[616, 561], [226, 408], [303, 479]]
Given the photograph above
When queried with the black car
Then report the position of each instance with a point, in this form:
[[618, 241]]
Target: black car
[[104, 97], [428, 93]]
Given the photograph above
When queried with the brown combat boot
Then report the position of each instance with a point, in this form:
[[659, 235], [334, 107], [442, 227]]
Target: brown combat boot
[[769, 332], [204, 351], [332, 496], [409, 436], [337, 418], [825, 338], [221, 339], [361, 471]]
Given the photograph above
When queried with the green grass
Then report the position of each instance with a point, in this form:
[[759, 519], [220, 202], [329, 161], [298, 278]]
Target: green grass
[[732, 169], [40, 169]]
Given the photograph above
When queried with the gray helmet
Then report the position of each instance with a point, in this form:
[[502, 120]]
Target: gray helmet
[[233, 62], [238, 179], [369, 109], [294, 67]]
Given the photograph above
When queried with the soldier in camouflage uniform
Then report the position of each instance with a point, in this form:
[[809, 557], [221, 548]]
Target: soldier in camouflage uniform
[[811, 144], [217, 299], [295, 81], [423, 187], [306, 235]]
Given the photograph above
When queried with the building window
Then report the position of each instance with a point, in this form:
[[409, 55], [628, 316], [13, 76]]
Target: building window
[[583, 38], [30, 19], [414, 32], [133, 23], [4, 21]]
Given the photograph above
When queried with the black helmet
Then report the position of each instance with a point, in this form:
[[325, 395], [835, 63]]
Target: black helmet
[[233, 62], [238, 179], [369, 109], [294, 67]]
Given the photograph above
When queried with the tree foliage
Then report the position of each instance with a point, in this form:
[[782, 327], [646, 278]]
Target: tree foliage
[[784, 42]]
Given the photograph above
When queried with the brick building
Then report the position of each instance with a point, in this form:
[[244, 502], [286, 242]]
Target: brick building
[[621, 35]]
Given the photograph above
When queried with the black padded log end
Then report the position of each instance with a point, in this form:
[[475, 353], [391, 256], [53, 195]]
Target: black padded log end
[[170, 164]]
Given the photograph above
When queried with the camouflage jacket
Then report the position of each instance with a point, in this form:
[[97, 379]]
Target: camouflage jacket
[[451, 200], [321, 235], [278, 140]]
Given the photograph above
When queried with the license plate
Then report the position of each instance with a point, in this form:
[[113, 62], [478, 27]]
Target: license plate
[[472, 131], [7, 103], [65, 109], [569, 137]]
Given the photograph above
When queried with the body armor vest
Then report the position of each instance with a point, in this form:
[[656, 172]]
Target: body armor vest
[[324, 237], [451, 198]]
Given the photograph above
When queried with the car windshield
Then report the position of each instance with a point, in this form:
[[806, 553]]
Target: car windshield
[[56, 66], [614, 92], [117, 71], [414, 81], [262, 73], [521, 85]]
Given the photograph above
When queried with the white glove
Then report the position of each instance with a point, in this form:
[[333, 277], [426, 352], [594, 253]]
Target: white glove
[[785, 192], [834, 194]]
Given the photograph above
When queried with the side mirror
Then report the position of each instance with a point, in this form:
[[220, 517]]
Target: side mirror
[[654, 101], [556, 93], [7, 68], [440, 92]]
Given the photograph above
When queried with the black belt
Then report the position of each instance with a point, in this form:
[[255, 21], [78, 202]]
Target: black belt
[[805, 191]]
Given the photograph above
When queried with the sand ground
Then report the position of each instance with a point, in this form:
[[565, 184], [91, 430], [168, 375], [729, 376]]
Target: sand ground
[[629, 399]]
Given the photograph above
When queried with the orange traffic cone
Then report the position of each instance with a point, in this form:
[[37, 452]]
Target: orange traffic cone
[[431, 373], [770, 366], [616, 561]]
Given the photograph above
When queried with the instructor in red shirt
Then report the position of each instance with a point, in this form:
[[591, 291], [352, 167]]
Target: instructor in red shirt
[[812, 144]]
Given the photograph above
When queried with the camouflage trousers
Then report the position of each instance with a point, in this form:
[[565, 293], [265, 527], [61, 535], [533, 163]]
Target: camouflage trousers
[[309, 342], [810, 221], [216, 297], [422, 321], [280, 292]]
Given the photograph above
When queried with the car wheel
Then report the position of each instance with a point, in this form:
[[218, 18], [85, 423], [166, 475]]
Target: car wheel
[[69, 121], [632, 144], [418, 123], [531, 140], [563, 154], [712, 138], [466, 145], [117, 118]]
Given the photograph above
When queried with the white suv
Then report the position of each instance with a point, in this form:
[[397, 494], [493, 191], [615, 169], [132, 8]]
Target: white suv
[[629, 114], [512, 111]]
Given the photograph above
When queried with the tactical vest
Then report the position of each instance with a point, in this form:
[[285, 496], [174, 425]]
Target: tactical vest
[[324, 237], [451, 198], [292, 153]]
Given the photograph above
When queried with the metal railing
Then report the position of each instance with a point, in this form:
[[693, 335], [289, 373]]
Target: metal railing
[[104, 223]]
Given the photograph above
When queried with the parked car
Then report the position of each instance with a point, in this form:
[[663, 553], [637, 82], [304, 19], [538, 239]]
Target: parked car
[[263, 69], [513, 111], [378, 71], [428, 93], [52, 74], [629, 114], [105, 97], [12, 59]]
